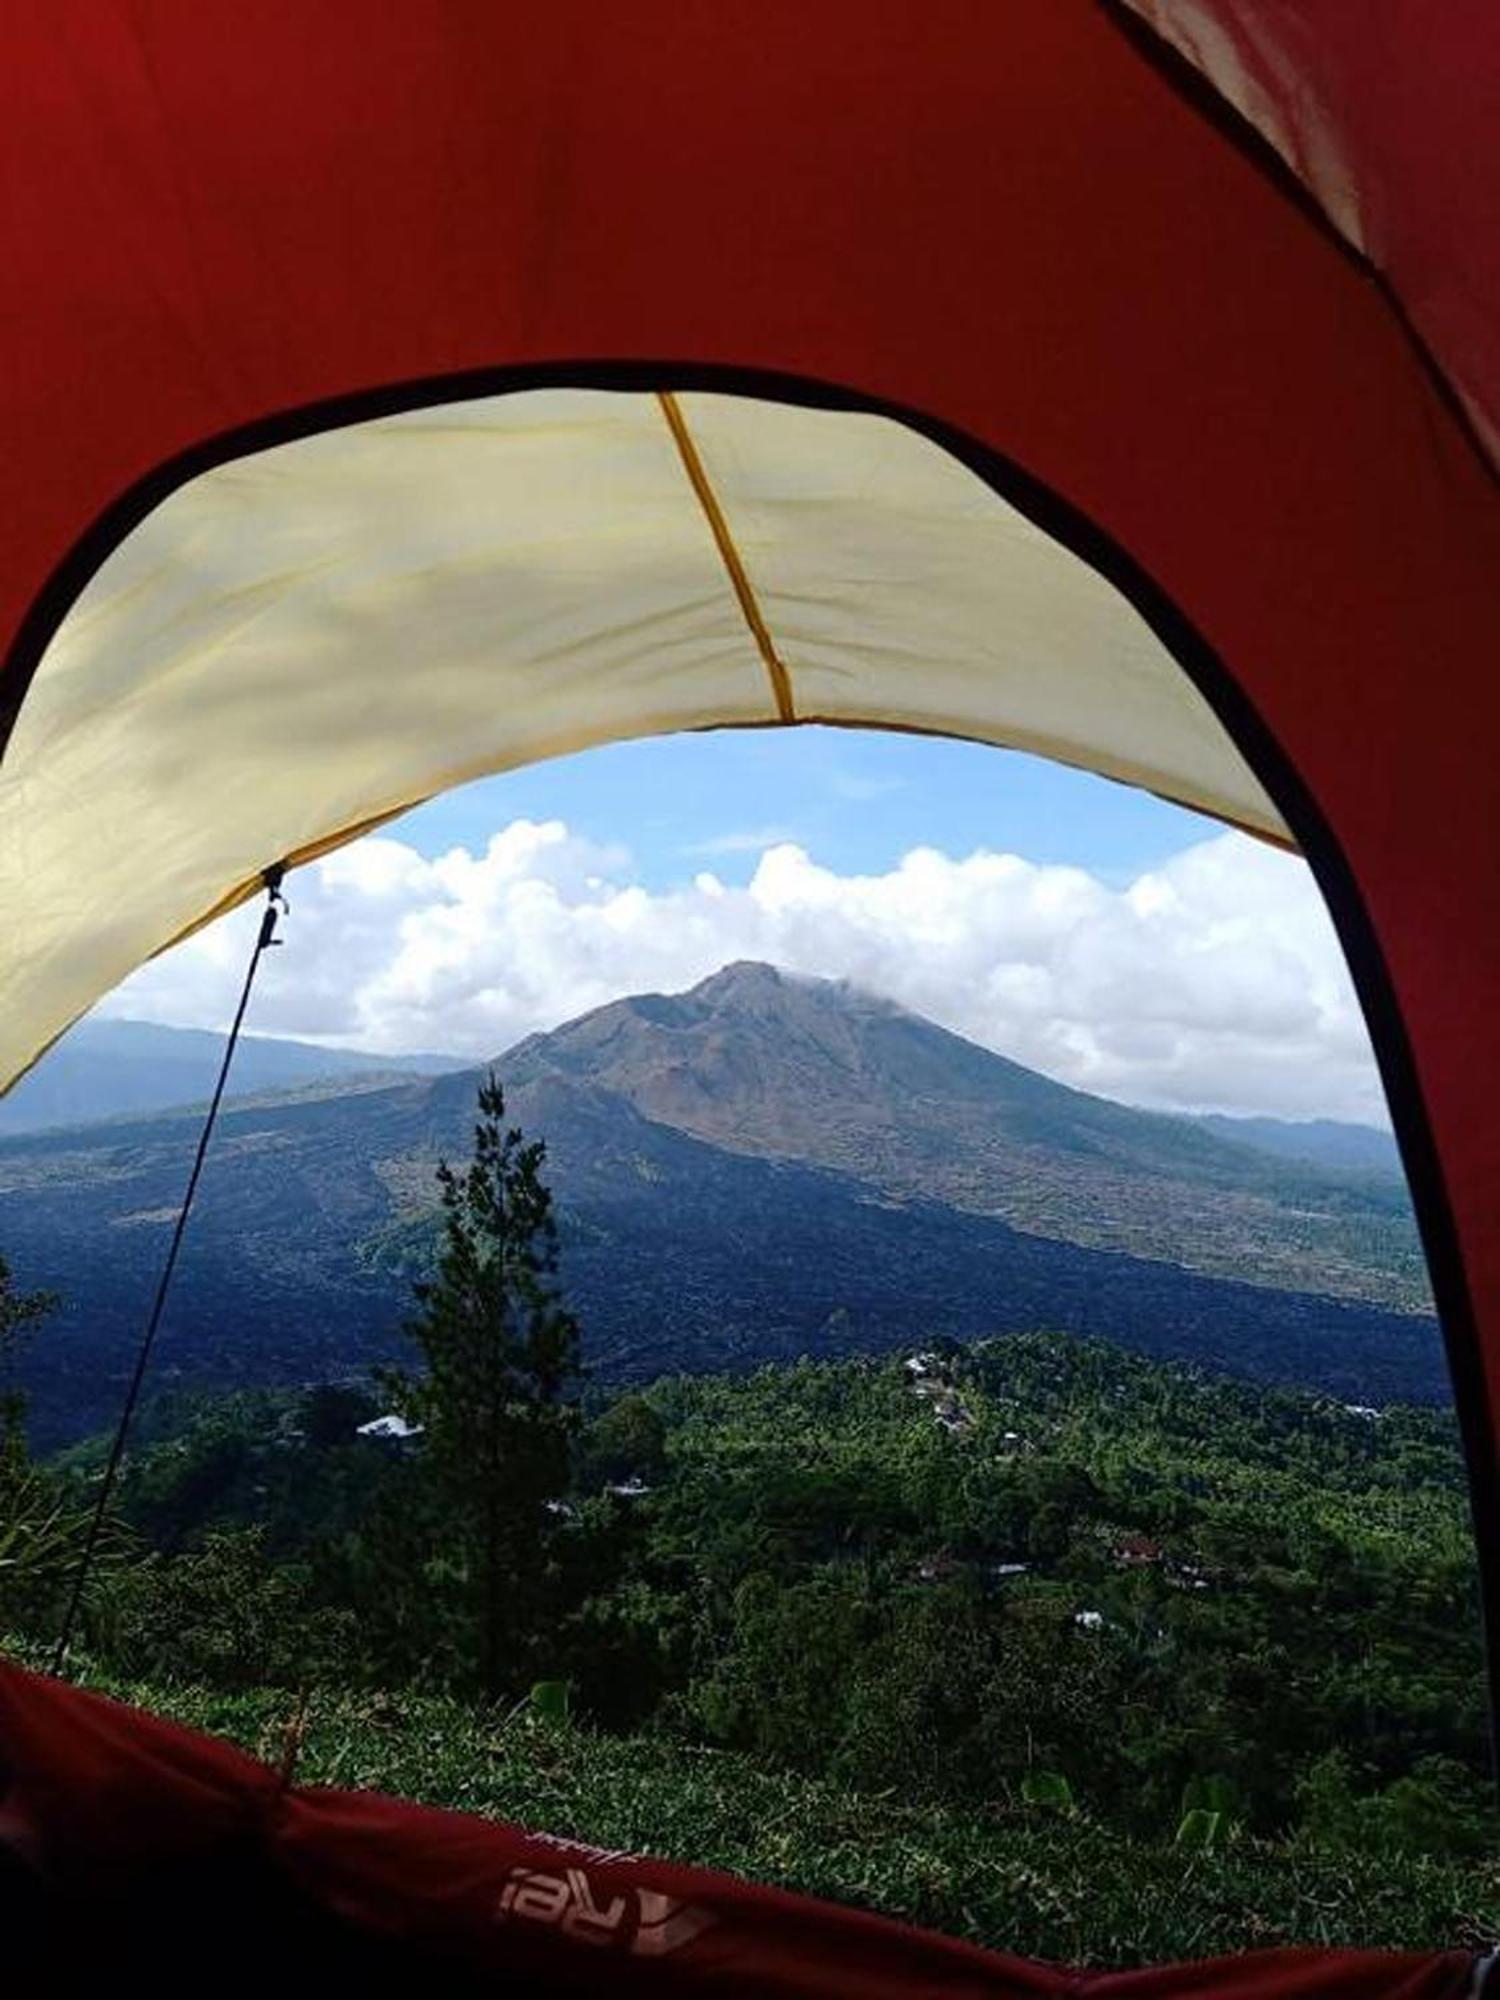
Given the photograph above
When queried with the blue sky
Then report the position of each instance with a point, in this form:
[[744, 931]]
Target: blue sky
[[1113, 941], [856, 800]]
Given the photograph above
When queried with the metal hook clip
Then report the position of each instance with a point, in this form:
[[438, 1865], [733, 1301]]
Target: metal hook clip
[[276, 904]]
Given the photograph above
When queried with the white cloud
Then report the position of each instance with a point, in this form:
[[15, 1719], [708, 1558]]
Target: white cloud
[[752, 840], [1214, 981], [861, 787]]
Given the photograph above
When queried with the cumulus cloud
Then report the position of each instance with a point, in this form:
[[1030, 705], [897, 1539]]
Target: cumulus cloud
[[1214, 981]]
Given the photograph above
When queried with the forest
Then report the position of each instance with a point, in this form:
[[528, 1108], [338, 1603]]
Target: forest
[[1038, 1566], [1039, 1599]]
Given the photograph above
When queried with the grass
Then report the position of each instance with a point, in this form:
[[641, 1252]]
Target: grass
[[1028, 1880]]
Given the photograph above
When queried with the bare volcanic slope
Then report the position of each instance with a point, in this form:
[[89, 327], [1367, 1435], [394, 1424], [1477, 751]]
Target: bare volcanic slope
[[757, 1169], [780, 1067]]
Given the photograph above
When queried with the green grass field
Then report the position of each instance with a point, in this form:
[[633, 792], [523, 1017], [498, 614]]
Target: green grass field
[[1029, 1880]]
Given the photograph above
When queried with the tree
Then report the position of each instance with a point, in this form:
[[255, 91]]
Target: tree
[[40, 1529], [626, 1441], [501, 1353], [19, 1313], [331, 1414], [226, 1613]]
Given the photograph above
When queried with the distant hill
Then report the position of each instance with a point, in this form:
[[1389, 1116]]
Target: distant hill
[[760, 1168], [106, 1069], [1321, 1142]]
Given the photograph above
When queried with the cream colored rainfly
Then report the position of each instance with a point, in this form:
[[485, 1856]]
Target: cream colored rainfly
[[310, 639]]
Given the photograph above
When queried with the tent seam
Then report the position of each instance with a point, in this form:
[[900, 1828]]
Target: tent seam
[[744, 590]]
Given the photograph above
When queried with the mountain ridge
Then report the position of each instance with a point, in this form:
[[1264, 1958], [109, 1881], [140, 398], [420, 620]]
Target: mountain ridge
[[110, 1068], [754, 1169], [780, 1067]]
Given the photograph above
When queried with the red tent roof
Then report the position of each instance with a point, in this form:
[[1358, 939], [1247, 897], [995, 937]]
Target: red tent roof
[[1258, 405]]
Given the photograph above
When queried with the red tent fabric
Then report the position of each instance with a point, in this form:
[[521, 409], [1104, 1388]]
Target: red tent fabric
[[1033, 234], [107, 1802], [1387, 114]]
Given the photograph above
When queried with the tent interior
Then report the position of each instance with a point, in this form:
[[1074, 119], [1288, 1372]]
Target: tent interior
[[415, 599], [395, 606], [1070, 377]]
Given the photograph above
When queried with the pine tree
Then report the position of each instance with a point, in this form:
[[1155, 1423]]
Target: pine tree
[[501, 1353], [20, 1312]]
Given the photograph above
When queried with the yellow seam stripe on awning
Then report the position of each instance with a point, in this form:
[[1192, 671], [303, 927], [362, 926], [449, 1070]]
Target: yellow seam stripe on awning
[[781, 680]]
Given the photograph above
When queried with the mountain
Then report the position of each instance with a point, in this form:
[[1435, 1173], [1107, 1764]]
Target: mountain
[[759, 1168], [1322, 1142], [107, 1069], [816, 1071]]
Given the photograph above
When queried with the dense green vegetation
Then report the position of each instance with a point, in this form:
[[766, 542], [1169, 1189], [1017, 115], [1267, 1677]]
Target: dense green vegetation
[[797, 1653], [1037, 1556], [1058, 1646]]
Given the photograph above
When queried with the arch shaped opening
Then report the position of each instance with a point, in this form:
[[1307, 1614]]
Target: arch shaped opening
[[791, 524], [991, 1439]]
